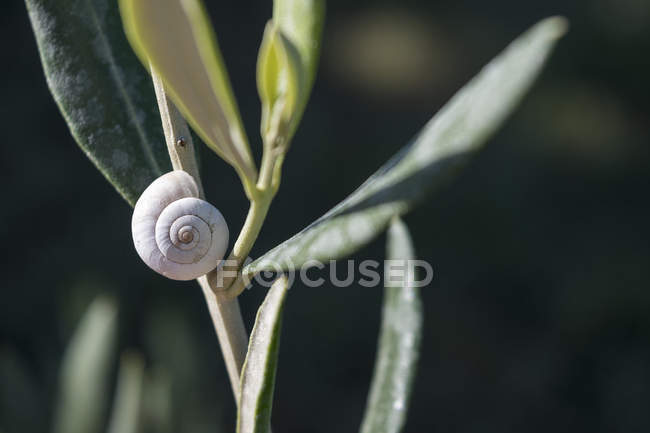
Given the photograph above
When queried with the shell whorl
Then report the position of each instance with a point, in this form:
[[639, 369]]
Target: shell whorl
[[176, 233]]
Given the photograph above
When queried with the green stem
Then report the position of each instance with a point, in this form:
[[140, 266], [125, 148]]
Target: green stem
[[252, 226], [222, 277], [266, 170], [260, 198]]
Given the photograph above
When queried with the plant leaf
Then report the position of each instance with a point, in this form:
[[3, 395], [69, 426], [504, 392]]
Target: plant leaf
[[101, 89], [86, 369], [278, 82], [258, 374], [157, 407], [125, 417], [454, 134], [176, 37], [399, 344], [301, 22]]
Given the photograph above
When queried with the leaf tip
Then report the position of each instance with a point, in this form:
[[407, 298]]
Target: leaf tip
[[556, 26]]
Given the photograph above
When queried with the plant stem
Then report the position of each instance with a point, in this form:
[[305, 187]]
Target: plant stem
[[222, 277], [265, 189], [224, 310], [266, 169], [229, 325], [180, 145]]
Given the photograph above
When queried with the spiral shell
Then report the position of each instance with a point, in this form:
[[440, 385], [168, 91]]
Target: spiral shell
[[176, 233]]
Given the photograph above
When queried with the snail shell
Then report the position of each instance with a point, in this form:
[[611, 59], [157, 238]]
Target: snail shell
[[176, 233]]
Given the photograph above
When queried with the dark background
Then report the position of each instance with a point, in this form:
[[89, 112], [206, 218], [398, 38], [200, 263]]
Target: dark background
[[538, 318]]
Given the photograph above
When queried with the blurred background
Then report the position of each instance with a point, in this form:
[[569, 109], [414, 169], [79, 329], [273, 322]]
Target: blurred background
[[538, 318]]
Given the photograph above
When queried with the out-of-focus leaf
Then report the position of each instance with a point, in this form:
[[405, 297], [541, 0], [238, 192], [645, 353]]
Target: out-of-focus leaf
[[101, 89], [83, 393], [176, 37], [157, 411], [125, 417], [258, 374], [399, 343], [454, 134], [301, 22]]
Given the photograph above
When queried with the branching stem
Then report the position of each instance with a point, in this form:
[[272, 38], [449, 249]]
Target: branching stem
[[218, 288], [224, 310]]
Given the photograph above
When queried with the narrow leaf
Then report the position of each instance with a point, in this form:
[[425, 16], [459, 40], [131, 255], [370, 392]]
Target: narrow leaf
[[399, 343], [125, 417], [157, 411], [85, 371], [258, 374], [301, 22], [278, 82], [101, 89], [176, 37], [454, 134]]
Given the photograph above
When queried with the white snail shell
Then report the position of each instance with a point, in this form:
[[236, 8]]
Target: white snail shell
[[176, 233]]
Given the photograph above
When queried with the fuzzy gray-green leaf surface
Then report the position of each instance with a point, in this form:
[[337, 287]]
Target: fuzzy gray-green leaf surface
[[462, 126], [399, 344], [102, 90], [258, 374]]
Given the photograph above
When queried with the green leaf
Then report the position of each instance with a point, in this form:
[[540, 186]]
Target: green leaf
[[125, 417], [301, 23], [86, 369], [258, 374], [454, 134], [176, 37], [278, 83], [399, 344], [157, 410], [101, 89]]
